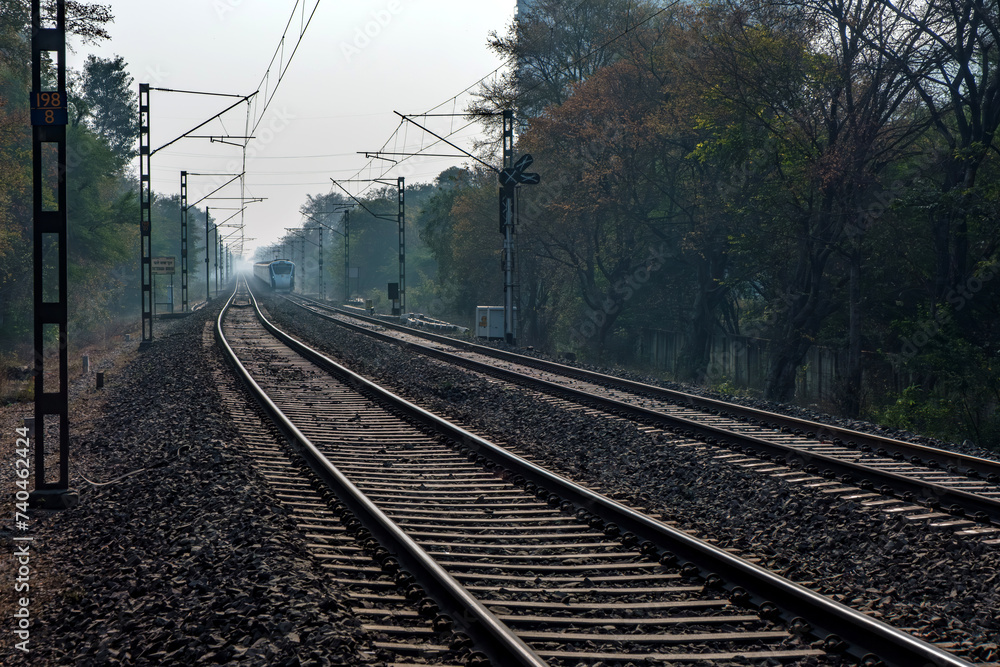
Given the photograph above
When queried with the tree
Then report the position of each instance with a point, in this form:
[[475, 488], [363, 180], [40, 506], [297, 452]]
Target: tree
[[956, 75], [835, 110], [83, 20], [15, 218], [436, 225], [702, 177], [475, 246], [107, 104], [550, 46], [597, 213]]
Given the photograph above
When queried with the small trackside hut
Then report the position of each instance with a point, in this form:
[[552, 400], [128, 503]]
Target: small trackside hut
[[490, 323]]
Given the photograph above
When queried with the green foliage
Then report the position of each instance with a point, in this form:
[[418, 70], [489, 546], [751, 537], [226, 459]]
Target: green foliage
[[435, 223], [803, 194], [918, 411], [546, 41], [107, 105], [727, 387], [103, 238], [950, 354], [102, 234]]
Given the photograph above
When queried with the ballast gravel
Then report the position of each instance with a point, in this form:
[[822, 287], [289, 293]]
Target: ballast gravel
[[180, 555], [809, 413], [941, 587]]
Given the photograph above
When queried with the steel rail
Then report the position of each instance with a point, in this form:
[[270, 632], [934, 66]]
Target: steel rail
[[942, 457], [827, 617], [981, 508], [489, 634]]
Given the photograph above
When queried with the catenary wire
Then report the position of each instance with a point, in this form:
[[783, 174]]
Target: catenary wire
[[628, 29]]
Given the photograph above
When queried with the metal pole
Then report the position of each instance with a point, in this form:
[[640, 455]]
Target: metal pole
[[507, 210], [347, 256], [218, 257], [508, 264], [322, 283], [208, 280], [49, 117], [402, 245], [184, 242], [145, 217]]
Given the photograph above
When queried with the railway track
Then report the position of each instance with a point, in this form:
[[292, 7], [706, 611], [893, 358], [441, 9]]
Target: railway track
[[948, 490], [341, 549], [527, 567]]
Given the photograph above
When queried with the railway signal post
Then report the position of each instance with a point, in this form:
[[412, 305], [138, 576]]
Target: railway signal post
[[510, 177]]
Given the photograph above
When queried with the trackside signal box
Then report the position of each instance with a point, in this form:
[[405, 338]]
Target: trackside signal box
[[489, 322], [393, 293]]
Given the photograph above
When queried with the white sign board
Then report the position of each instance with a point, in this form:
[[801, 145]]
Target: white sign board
[[162, 265]]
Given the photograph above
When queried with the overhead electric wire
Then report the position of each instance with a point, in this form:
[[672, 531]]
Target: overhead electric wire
[[628, 29], [468, 88], [394, 136], [269, 93], [194, 92], [257, 110], [282, 64], [453, 98], [204, 123]]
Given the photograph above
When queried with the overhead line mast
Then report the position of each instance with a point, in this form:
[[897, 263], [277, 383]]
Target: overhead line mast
[[49, 117], [511, 176], [146, 195], [400, 294]]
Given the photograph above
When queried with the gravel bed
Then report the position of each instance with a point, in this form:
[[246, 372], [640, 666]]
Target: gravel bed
[[942, 587], [184, 557], [810, 413]]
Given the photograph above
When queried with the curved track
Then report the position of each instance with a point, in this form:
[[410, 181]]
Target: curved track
[[501, 544]]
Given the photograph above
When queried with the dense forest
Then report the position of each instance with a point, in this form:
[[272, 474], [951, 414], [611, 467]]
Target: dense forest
[[102, 193], [800, 173], [101, 201], [805, 174]]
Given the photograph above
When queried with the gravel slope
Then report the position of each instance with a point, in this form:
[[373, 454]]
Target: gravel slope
[[188, 561]]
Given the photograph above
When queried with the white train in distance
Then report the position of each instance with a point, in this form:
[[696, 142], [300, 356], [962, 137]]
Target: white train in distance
[[279, 275]]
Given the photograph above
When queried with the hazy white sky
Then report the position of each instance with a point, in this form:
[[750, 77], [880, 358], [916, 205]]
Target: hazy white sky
[[359, 61]]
